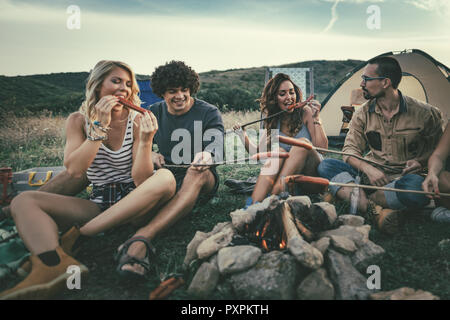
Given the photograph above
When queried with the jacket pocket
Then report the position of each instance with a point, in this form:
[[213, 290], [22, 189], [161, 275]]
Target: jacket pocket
[[410, 146], [374, 139]]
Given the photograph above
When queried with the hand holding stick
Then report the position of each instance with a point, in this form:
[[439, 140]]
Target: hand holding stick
[[297, 105], [257, 156], [325, 183], [299, 143]]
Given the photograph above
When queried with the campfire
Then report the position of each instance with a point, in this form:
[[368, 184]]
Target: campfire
[[267, 232], [283, 248]]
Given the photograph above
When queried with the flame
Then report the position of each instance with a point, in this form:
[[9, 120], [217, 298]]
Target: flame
[[283, 240], [264, 244]]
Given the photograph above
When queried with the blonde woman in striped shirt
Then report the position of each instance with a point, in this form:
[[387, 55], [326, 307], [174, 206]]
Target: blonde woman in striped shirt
[[113, 146]]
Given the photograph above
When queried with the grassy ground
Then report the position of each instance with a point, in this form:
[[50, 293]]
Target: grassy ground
[[413, 258]]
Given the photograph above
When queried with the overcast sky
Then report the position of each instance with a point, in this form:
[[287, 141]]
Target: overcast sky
[[214, 34]]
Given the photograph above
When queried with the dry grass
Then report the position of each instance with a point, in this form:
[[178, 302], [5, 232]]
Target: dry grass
[[233, 117], [31, 141], [35, 141]]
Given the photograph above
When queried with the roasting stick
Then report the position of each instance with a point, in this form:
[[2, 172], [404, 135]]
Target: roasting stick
[[299, 143], [256, 156], [297, 105], [326, 183]]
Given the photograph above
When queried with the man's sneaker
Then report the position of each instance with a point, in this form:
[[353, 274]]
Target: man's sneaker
[[68, 240], [386, 220], [441, 214], [44, 281]]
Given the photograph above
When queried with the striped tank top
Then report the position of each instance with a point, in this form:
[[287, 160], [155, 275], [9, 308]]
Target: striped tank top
[[113, 166]]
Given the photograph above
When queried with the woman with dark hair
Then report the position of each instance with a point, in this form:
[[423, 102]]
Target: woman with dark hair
[[304, 124]]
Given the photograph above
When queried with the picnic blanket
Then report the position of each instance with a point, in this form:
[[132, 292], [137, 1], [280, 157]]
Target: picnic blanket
[[12, 249]]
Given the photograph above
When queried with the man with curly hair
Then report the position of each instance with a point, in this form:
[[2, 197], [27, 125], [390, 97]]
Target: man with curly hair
[[190, 131]]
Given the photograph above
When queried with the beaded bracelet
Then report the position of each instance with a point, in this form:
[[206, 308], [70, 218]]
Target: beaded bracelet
[[94, 136], [99, 138], [98, 125]]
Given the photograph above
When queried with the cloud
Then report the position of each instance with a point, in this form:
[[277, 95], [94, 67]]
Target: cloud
[[334, 15], [440, 6]]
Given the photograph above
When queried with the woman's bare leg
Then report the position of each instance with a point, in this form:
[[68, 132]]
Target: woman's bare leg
[[300, 161], [39, 215], [157, 189], [266, 180]]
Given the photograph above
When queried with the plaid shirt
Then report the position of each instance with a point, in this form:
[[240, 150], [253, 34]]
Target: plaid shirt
[[411, 134], [111, 193]]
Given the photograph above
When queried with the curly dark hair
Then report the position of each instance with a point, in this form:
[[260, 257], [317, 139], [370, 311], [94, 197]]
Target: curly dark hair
[[269, 104], [174, 74]]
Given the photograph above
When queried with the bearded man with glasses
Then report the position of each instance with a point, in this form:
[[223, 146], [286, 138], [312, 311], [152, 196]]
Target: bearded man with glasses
[[400, 133]]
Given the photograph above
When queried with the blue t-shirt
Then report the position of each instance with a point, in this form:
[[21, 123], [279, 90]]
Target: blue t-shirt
[[184, 135]]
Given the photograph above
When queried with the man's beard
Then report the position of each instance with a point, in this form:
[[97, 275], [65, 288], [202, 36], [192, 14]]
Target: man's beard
[[368, 96]]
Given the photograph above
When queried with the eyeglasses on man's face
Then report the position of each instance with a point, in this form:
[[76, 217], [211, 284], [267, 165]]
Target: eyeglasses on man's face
[[366, 78]]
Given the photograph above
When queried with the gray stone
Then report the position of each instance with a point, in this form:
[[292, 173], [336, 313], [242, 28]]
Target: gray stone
[[272, 278], [238, 258], [343, 244], [322, 244], [240, 218], [191, 250], [215, 242], [348, 283], [350, 220], [304, 253], [204, 281], [329, 210], [367, 254], [213, 260], [404, 293], [359, 235], [316, 286], [365, 230], [220, 227]]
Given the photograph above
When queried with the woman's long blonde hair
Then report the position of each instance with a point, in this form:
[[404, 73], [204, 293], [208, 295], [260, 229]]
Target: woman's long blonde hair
[[96, 77]]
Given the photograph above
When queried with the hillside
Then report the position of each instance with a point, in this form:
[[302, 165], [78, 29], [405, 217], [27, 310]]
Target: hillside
[[234, 89]]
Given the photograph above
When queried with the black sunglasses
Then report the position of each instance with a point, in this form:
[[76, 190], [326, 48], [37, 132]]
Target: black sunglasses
[[366, 78]]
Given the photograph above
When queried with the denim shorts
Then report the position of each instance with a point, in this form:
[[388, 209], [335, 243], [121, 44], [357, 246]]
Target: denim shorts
[[339, 171]]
